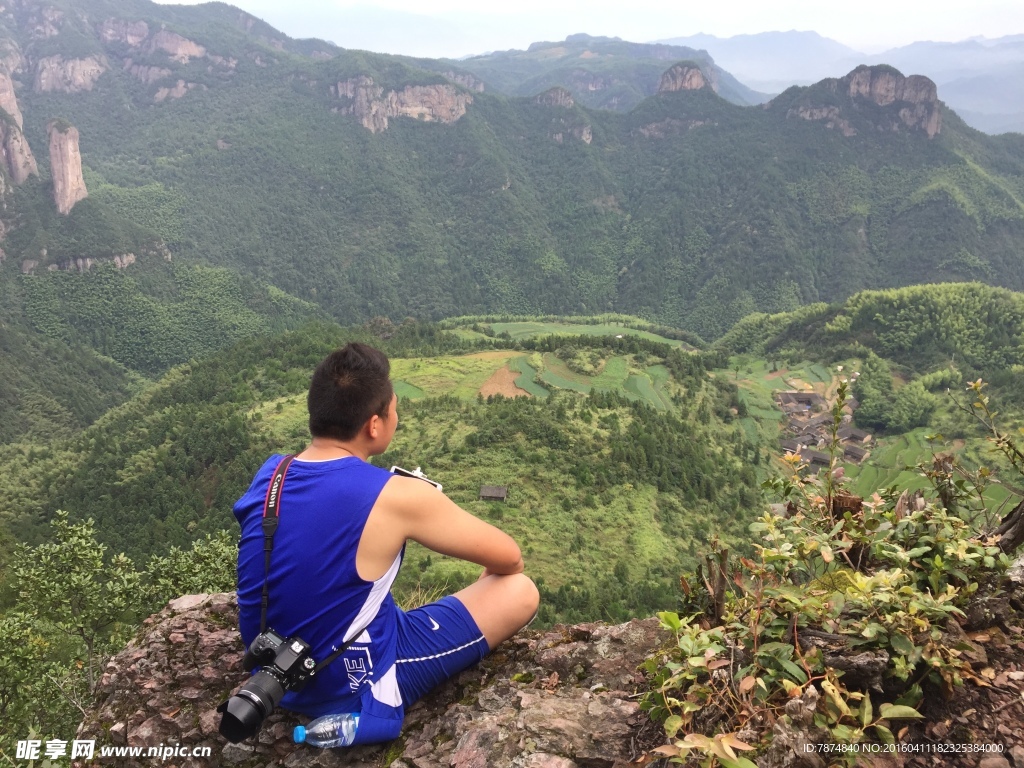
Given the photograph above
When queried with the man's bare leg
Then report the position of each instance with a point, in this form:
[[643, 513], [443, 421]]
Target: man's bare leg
[[501, 605]]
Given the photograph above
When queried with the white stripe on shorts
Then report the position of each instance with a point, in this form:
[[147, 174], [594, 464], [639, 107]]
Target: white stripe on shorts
[[446, 653]]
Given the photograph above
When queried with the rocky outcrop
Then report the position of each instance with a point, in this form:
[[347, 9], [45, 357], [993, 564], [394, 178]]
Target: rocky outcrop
[[830, 116], [466, 81], [84, 264], [430, 103], [581, 132], [8, 101], [684, 77], [131, 33], [560, 698], [580, 80], [18, 158], [906, 103], [179, 48], [46, 23], [11, 59], [66, 166], [146, 74], [555, 97], [55, 73], [176, 91], [670, 126]]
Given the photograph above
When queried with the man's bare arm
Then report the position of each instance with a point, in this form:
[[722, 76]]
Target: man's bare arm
[[429, 517]]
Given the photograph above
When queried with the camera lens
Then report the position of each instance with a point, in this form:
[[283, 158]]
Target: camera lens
[[243, 713]]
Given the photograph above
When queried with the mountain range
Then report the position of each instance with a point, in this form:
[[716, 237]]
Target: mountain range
[[221, 180], [982, 79]]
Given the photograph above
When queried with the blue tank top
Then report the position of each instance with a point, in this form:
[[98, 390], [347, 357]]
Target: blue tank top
[[317, 593]]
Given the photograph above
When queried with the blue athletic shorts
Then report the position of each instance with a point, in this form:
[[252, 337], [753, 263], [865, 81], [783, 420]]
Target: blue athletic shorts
[[435, 642]]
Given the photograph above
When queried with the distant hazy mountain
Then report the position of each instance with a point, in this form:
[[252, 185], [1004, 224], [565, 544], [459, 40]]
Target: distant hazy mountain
[[600, 72], [980, 78], [983, 80]]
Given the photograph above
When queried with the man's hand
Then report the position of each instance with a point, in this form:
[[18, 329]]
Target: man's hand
[[518, 568]]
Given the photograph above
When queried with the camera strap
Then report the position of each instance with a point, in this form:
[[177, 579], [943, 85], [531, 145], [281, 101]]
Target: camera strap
[[271, 514]]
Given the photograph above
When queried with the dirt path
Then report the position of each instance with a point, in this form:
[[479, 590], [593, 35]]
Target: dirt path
[[503, 382], [493, 354]]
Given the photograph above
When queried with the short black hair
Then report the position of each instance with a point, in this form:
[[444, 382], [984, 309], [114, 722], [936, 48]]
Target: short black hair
[[350, 385]]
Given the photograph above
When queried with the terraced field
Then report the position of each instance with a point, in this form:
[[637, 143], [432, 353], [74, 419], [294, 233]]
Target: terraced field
[[529, 330], [526, 379], [461, 375]]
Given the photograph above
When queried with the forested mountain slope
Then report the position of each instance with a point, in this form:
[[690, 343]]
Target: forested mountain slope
[[367, 185], [601, 72], [626, 458]]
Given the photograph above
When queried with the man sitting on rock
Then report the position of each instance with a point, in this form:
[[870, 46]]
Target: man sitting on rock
[[337, 550]]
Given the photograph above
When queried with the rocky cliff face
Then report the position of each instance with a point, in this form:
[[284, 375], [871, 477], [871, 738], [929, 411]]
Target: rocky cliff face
[[685, 77], [550, 699], [18, 158], [131, 33], [555, 97], [908, 103], [55, 73], [176, 91], [66, 167], [179, 48], [430, 103], [466, 81], [8, 100], [146, 74]]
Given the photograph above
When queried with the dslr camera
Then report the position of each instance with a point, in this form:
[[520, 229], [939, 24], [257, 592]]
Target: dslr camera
[[287, 666]]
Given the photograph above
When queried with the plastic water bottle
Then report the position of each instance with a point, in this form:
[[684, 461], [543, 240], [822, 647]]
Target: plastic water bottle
[[328, 731]]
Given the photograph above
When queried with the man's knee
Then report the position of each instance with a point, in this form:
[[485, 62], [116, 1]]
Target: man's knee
[[527, 596]]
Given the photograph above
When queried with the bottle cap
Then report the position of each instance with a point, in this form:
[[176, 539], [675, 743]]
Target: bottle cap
[[299, 734]]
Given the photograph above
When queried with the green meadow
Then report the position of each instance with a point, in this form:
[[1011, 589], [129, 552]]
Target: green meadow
[[531, 330]]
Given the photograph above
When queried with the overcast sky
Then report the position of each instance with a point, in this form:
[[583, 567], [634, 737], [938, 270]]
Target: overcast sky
[[461, 27]]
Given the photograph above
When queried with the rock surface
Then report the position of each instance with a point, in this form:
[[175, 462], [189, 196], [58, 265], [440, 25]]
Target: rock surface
[[179, 48], [466, 80], [683, 77], [442, 103], [66, 166], [55, 73], [561, 698], [907, 103], [176, 91], [146, 74], [131, 33], [8, 100], [18, 158], [555, 97]]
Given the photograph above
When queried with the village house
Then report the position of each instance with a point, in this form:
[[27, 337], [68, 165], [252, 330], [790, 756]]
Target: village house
[[809, 432]]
